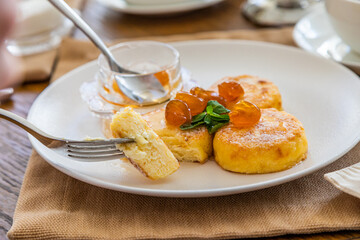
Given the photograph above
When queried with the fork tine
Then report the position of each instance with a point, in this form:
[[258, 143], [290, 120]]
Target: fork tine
[[89, 156], [72, 146], [92, 151], [92, 144], [101, 142], [95, 149]]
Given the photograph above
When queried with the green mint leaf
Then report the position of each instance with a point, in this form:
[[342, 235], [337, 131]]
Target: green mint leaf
[[213, 128], [214, 117], [209, 109], [219, 120], [218, 117], [207, 119], [221, 110], [217, 107], [191, 126], [199, 117], [213, 103]]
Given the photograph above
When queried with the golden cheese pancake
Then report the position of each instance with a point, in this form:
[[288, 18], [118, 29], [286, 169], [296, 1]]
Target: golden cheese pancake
[[194, 145], [262, 93], [148, 153], [277, 142]]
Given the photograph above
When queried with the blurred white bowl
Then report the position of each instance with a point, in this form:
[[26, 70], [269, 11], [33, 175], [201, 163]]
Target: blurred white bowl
[[155, 2], [344, 16]]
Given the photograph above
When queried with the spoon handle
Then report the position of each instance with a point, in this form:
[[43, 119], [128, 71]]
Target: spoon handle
[[87, 30]]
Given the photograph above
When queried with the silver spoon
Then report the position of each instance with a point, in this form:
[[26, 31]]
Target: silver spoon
[[142, 88]]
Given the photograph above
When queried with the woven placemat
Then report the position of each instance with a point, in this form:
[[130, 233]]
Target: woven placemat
[[53, 205]]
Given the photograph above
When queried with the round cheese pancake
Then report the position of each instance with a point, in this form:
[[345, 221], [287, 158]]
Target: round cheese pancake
[[277, 142], [194, 145], [262, 93]]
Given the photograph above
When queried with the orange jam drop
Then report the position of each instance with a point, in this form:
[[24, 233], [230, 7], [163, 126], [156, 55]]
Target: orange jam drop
[[163, 77], [215, 96], [231, 90], [207, 95], [245, 114], [196, 104], [177, 113], [199, 92], [116, 87]]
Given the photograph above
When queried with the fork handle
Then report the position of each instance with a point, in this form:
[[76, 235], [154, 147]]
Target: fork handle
[[43, 137]]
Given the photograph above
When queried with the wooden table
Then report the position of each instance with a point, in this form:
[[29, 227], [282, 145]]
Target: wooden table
[[15, 148]]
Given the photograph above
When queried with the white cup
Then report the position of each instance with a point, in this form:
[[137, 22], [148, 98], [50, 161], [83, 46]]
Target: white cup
[[344, 16]]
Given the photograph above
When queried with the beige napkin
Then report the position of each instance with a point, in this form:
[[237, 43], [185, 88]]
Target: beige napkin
[[53, 205], [346, 179], [38, 67]]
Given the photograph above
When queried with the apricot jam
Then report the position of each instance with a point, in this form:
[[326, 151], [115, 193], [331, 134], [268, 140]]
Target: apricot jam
[[207, 95], [196, 104], [244, 114], [177, 113], [231, 91]]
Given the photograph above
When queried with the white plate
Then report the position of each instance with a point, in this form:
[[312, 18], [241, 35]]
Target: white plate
[[322, 94], [158, 9], [315, 34]]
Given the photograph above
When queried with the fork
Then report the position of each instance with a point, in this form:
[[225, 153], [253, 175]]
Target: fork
[[89, 149]]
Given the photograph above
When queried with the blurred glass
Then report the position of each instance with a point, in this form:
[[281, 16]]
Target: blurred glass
[[39, 27]]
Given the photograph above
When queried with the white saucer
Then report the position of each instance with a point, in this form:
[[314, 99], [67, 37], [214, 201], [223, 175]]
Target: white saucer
[[157, 9], [314, 34]]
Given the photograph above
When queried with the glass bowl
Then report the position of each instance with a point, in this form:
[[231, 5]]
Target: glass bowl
[[143, 57], [103, 95]]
